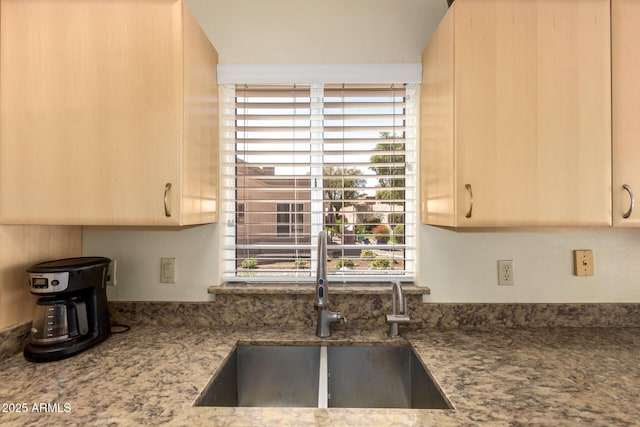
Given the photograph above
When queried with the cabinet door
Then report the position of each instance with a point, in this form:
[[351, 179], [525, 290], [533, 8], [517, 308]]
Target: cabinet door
[[626, 109], [532, 112], [200, 149], [437, 197], [91, 104]]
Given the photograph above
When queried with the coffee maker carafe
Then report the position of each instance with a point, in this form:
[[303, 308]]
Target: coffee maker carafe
[[71, 314], [58, 320]]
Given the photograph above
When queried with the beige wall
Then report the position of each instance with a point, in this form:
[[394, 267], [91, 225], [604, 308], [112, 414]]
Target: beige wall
[[138, 252], [315, 32], [461, 266], [20, 247]]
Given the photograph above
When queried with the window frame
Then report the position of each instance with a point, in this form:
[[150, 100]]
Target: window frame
[[316, 217]]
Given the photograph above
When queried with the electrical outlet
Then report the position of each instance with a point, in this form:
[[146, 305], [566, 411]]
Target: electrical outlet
[[112, 273], [583, 262], [167, 270], [505, 272]]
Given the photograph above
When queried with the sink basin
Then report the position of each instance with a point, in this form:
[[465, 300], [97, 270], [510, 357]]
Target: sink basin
[[262, 375], [349, 376], [381, 377]]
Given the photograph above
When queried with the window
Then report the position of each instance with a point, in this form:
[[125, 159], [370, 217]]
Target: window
[[302, 158], [290, 219], [240, 213]]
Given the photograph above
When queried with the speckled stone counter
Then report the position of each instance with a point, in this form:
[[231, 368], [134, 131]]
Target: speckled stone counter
[[368, 312], [13, 339], [152, 374]]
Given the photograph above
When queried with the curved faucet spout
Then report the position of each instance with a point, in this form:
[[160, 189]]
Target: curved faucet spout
[[398, 297], [399, 313]]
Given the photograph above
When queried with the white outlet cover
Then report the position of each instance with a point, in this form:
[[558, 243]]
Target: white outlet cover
[[505, 272], [112, 274], [167, 270]]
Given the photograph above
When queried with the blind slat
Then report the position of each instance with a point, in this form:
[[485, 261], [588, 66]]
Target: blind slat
[[374, 105], [387, 128], [301, 105], [300, 149]]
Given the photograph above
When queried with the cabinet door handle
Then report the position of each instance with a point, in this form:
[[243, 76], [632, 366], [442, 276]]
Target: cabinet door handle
[[167, 187], [470, 211], [627, 214]]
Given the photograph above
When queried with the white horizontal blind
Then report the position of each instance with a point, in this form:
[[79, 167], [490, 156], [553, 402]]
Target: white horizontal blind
[[301, 158]]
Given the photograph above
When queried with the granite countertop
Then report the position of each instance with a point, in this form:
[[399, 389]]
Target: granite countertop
[[152, 374]]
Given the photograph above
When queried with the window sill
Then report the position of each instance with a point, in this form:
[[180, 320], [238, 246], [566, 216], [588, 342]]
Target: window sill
[[309, 289]]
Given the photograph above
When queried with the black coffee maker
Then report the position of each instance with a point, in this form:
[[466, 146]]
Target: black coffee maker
[[71, 314]]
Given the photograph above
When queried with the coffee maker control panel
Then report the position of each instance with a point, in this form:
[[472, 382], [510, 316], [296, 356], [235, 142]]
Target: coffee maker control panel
[[46, 283]]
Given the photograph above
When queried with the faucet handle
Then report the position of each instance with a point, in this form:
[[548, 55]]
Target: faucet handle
[[394, 320], [397, 318]]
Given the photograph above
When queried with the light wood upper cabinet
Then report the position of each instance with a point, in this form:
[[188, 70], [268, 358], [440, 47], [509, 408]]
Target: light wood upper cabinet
[[625, 16], [103, 104], [516, 112]]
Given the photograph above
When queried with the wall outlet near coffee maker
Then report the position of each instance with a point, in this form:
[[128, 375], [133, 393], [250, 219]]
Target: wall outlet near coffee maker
[[112, 273], [167, 270]]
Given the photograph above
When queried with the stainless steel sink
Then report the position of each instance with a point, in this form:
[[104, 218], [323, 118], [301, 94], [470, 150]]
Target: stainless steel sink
[[258, 375], [381, 377], [349, 376]]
